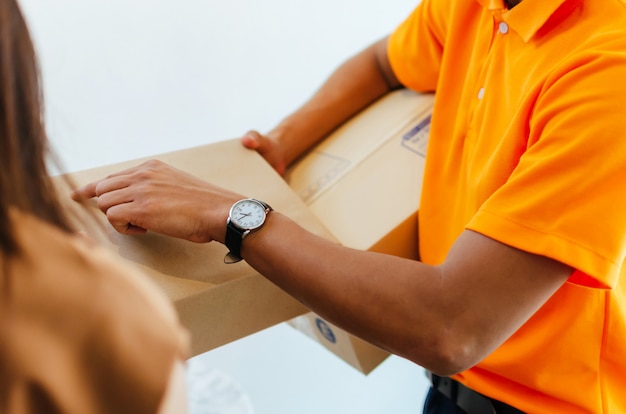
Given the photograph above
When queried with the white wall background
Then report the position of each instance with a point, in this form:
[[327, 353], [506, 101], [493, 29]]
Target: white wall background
[[125, 79]]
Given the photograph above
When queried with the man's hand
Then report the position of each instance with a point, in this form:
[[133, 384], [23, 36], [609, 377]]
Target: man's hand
[[267, 148], [155, 196]]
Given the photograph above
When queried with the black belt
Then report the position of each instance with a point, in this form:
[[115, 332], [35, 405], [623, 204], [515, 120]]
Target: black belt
[[467, 399]]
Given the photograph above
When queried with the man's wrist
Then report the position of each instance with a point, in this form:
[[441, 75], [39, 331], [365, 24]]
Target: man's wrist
[[245, 217]]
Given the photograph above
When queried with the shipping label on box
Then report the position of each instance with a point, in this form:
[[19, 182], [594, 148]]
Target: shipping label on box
[[364, 183], [217, 302]]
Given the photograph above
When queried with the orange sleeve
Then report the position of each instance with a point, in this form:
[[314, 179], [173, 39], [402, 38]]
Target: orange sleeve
[[416, 46], [566, 198]]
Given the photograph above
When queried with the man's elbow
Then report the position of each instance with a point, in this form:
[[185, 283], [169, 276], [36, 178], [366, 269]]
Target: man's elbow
[[448, 353]]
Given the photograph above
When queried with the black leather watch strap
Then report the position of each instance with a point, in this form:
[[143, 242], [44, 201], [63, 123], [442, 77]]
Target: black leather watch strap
[[234, 236]]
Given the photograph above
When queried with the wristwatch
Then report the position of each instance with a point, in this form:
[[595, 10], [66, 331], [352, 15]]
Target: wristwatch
[[245, 216]]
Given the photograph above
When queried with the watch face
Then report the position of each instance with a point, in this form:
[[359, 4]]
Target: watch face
[[247, 214]]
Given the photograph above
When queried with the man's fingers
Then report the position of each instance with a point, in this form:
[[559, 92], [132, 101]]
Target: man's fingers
[[111, 182], [130, 229], [85, 192], [110, 191], [251, 140], [97, 188], [117, 216], [110, 199]]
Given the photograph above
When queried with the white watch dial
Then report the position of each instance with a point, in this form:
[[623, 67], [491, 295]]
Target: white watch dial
[[247, 214]]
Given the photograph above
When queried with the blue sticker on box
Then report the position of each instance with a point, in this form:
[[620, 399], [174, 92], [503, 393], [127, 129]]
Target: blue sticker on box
[[416, 139], [325, 330]]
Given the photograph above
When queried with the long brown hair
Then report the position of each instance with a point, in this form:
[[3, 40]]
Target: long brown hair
[[24, 150]]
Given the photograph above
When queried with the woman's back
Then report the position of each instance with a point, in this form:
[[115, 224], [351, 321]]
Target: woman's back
[[81, 332]]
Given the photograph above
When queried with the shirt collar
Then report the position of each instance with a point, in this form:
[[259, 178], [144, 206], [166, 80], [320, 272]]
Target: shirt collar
[[528, 16]]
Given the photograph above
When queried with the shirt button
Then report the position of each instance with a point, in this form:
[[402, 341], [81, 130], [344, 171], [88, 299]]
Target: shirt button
[[503, 28], [481, 93]]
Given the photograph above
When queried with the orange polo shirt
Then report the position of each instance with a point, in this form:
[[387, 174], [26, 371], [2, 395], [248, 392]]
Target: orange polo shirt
[[528, 146]]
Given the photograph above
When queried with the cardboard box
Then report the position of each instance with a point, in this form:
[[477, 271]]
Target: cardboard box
[[218, 303], [364, 183]]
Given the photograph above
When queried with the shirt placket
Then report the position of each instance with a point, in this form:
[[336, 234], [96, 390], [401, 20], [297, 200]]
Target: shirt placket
[[499, 29]]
